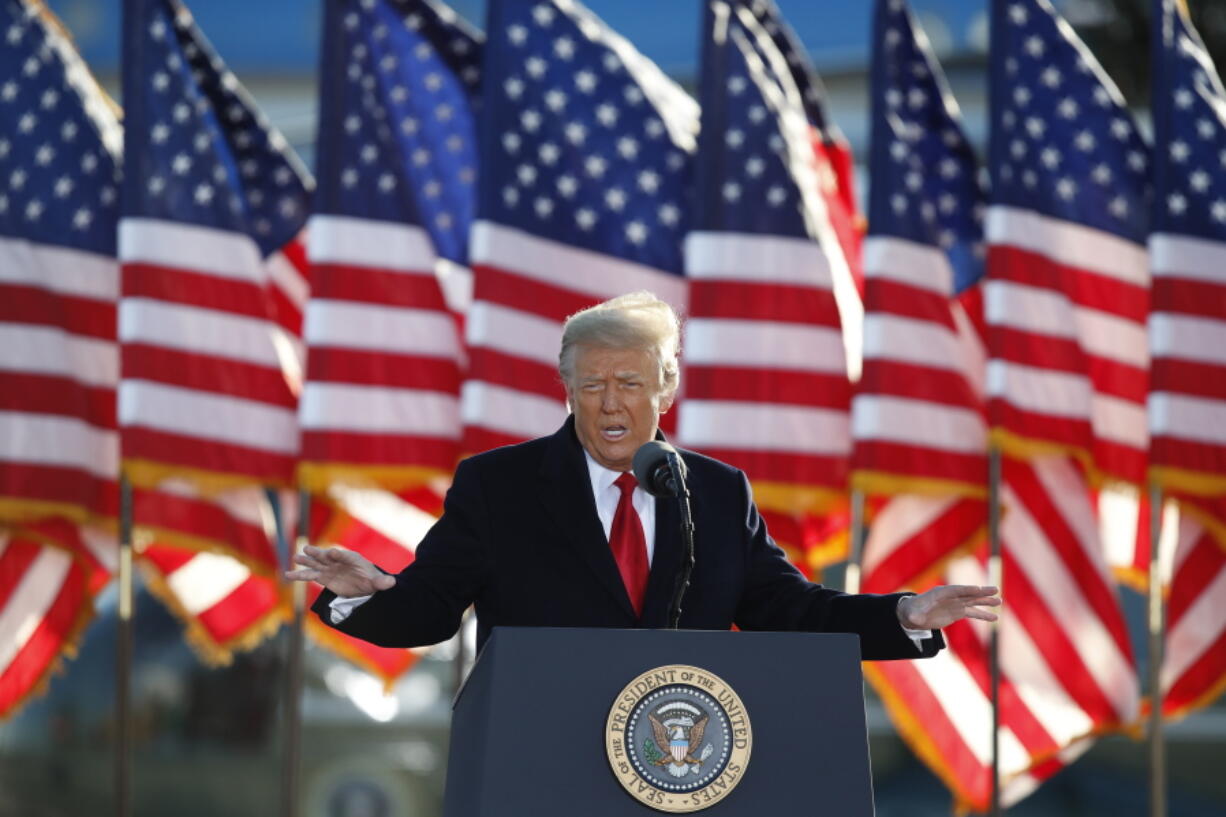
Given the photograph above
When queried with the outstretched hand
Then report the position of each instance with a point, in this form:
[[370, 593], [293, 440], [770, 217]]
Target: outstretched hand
[[942, 606], [345, 573]]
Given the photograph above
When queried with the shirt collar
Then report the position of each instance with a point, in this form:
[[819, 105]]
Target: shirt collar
[[602, 478]]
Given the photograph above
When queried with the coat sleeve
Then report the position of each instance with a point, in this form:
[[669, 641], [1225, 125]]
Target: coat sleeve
[[449, 571], [778, 597]]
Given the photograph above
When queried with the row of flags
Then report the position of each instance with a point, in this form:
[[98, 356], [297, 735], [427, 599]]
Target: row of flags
[[181, 299]]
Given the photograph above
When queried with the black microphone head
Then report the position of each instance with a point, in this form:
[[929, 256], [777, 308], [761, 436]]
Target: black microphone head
[[651, 468]]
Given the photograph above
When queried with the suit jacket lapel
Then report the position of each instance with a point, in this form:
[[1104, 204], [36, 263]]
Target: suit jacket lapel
[[567, 496]]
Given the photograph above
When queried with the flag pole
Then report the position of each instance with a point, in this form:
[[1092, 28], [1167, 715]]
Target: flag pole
[[291, 766], [995, 577], [123, 657], [855, 555], [1157, 623]]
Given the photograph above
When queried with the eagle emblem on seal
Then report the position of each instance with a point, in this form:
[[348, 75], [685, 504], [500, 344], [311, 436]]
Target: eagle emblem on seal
[[678, 728]]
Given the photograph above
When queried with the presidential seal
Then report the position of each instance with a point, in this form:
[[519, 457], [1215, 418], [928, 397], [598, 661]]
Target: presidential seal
[[678, 738]]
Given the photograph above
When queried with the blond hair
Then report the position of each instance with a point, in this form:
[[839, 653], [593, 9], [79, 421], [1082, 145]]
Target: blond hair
[[637, 320]]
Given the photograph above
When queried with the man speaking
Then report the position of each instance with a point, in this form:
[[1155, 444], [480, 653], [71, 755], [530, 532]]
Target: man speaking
[[555, 532]]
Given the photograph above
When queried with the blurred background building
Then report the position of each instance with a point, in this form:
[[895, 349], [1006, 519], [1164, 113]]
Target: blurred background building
[[208, 740]]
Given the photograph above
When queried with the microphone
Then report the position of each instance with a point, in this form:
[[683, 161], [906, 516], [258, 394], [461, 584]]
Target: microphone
[[658, 469]]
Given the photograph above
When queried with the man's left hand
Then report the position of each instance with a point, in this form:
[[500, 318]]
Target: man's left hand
[[942, 606]]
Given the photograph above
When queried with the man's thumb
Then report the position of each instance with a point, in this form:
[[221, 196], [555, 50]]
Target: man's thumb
[[384, 581]]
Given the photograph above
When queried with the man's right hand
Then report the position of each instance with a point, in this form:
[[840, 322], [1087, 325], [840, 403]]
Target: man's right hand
[[345, 573]]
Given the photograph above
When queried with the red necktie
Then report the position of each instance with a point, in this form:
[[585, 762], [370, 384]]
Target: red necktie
[[628, 543]]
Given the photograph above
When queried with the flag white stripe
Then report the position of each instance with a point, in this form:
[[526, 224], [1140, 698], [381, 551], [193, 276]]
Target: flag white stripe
[[58, 269], [1188, 337], [907, 262], [902, 518], [198, 330], [1188, 258], [968, 709], [206, 580], [102, 545], [51, 351], [400, 521], [918, 422], [764, 427], [513, 332], [286, 277], [379, 328], [1050, 392], [380, 409], [1037, 685], [583, 271], [764, 345], [1198, 419], [1198, 629], [204, 415], [1046, 312], [36, 592], [1050, 578], [1070, 244], [48, 439], [191, 247], [913, 340], [380, 245], [510, 411], [757, 259]]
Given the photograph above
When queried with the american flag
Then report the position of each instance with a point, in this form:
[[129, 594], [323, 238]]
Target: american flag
[[385, 528], [59, 143], [836, 166], [585, 156], [918, 414], [211, 199], [1066, 661], [1187, 323], [59, 445], [389, 244], [766, 372], [1068, 278]]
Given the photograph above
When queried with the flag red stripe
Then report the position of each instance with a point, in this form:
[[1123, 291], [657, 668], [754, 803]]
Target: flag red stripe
[[529, 295], [209, 455], [478, 439], [206, 373], [882, 295], [387, 553], [917, 555], [767, 386], [1050, 637], [764, 301], [15, 559], [1190, 456], [167, 559], [377, 448], [1062, 354], [1188, 377], [1015, 714], [491, 366], [1079, 286], [374, 286], [69, 486], [245, 605], [1189, 297], [919, 462], [195, 289], [1196, 572], [1064, 541], [45, 643], [1200, 677], [205, 519], [899, 379], [334, 365], [49, 394], [80, 316], [1110, 457]]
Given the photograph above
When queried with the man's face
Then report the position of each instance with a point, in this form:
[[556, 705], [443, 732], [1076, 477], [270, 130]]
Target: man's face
[[615, 395]]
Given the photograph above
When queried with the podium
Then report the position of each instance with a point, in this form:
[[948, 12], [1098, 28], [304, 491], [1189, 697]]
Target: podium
[[634, 722]]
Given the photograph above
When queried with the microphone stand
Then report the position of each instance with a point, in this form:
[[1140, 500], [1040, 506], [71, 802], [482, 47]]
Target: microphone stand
[[687, 542]]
